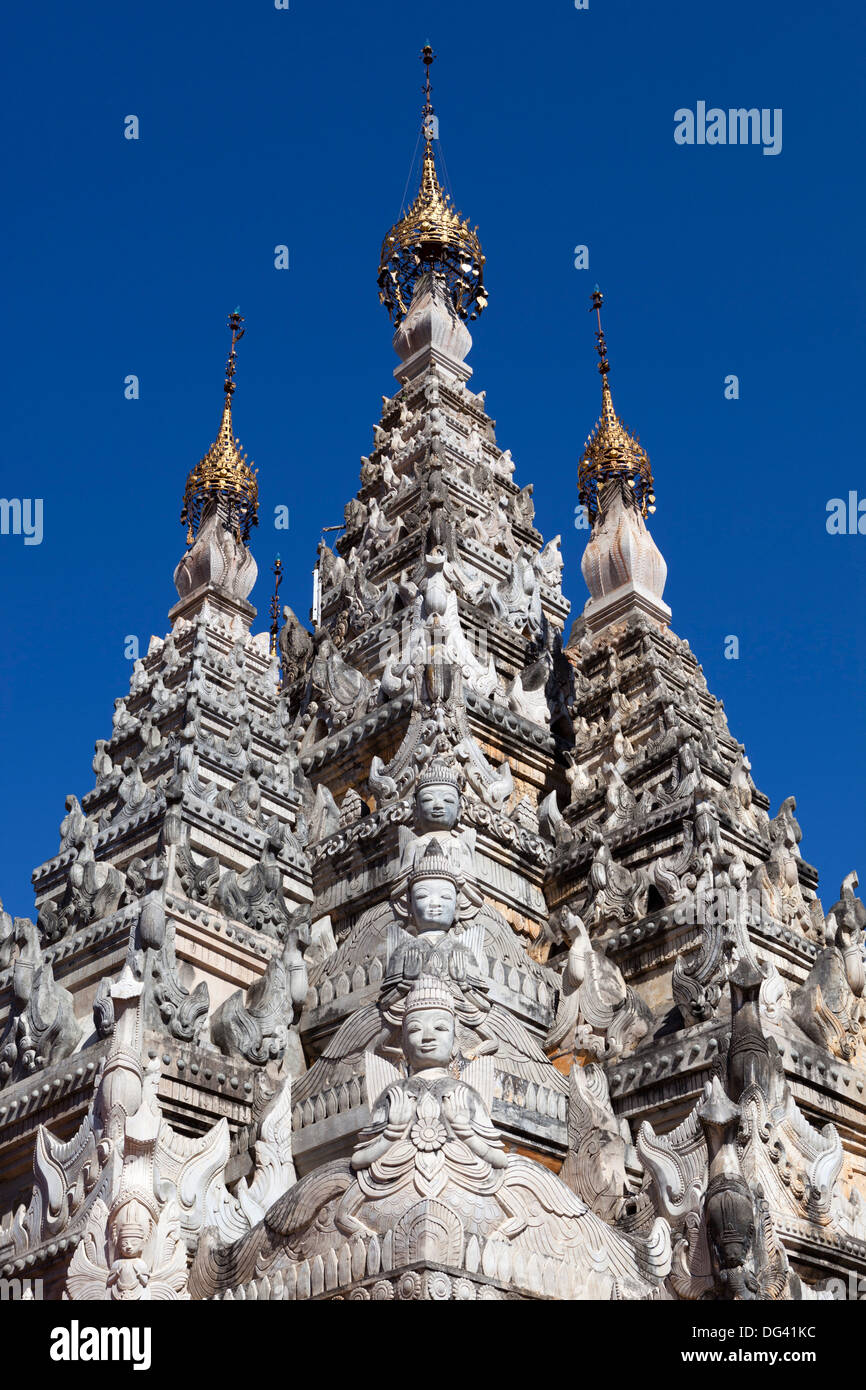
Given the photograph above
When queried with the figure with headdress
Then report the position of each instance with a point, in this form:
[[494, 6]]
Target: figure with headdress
[[438, 804], [428, 1180], [429, 906], [431, 1108], [129, 1229], [133, 1252]]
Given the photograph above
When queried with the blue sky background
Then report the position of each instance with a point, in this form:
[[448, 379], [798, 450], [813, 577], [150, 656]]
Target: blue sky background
[[261, 127]]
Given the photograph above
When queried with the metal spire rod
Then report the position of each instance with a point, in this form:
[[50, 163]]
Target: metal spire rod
[[600, 343], [234, 323], [275, 604], [427, 57]]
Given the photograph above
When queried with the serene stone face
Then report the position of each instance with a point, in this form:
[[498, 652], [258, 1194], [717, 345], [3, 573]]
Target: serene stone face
[[428, 1038], [434, 903], [130, 1237], [438, 806], [130, 1246]]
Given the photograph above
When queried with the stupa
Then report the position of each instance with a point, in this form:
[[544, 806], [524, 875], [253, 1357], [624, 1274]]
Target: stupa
[[429, 952]]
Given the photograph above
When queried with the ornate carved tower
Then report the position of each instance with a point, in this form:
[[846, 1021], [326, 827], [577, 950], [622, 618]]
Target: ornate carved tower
[[434, 955]]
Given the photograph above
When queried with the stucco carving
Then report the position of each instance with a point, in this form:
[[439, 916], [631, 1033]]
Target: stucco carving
[[429, 1181]]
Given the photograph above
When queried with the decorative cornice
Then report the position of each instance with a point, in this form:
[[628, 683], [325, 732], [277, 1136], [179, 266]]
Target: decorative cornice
[[368, 724]]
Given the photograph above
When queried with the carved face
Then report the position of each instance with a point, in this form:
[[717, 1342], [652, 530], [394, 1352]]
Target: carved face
[[434, 903], [438, 806], [129, 1239], [428, 1038], [130, 1244]]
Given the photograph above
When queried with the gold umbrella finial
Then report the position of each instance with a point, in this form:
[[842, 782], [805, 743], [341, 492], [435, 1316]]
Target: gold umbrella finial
[[432, 236], [611, 451], [224, 473]]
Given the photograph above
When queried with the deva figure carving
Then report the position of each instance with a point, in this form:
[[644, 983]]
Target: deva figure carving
[[435, 922], [429, 1180], [438, 805]]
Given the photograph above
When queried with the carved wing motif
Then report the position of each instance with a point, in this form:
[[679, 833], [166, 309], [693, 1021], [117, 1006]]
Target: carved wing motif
[[195, 1170], [533, 1195], [368, 938], [274, 1172], [169, 1277], [88, 1271], [678, 1164], [340, 1060], [303, 1202], [519, 1053], [479, 1074], [379, 1073]]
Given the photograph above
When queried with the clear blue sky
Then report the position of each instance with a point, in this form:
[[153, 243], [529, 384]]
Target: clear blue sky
[[260, 127]]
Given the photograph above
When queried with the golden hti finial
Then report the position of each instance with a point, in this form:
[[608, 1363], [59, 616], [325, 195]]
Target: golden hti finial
[[611, 451], [224, 473], [275, 604], [431, 235]]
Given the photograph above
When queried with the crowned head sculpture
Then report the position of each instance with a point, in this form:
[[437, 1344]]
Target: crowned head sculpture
[[130, 1224], [130, 1228], [428, 1025], [437, 798], [434, 886]]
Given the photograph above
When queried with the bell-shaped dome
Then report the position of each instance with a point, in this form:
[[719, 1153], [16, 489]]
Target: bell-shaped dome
[[216, 559], [621, 550], [431, 332]]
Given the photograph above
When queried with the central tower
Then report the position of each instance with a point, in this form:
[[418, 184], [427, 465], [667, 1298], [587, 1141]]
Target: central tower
[[438, 644]]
